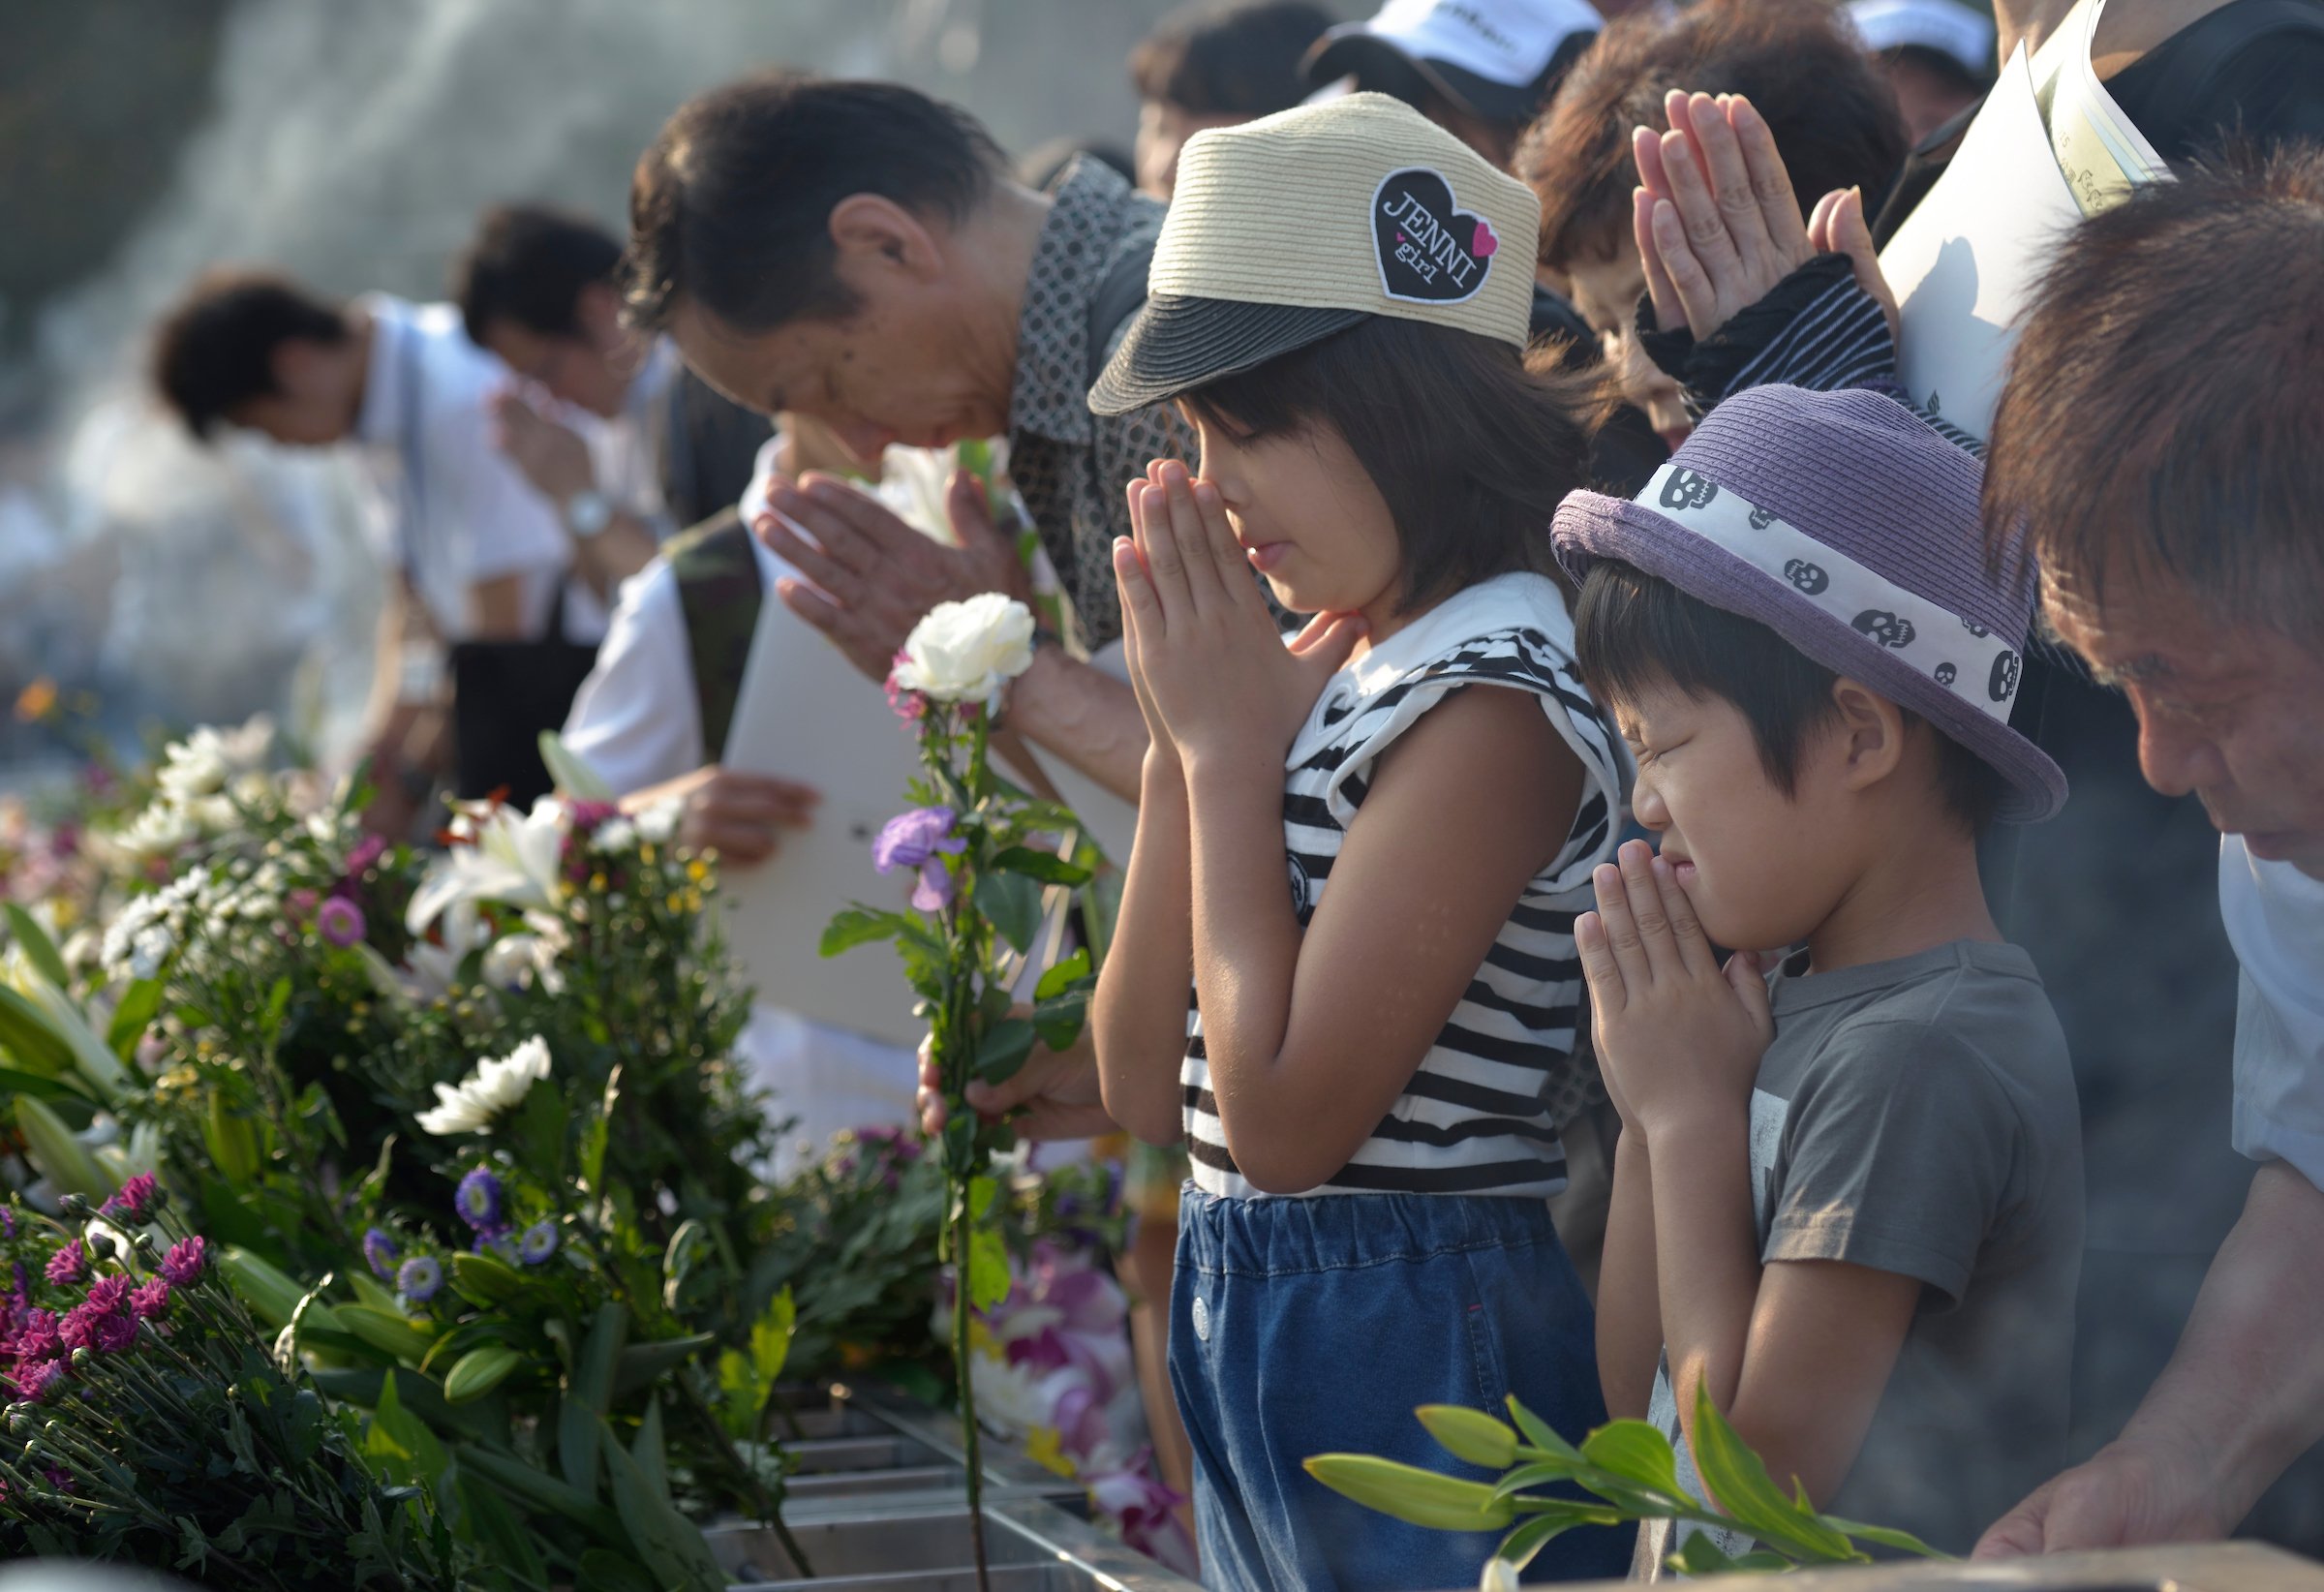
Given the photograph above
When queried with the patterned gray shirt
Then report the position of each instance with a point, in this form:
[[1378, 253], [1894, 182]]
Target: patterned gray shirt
[[1069, 465]]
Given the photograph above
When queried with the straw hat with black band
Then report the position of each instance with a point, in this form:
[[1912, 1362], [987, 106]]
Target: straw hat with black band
[[1288, 229]]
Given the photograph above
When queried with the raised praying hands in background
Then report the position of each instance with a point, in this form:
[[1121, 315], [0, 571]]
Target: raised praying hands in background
[[1717, 224]]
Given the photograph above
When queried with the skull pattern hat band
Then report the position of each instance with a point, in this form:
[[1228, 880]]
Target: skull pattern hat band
[[1844, 524], [1286, 230]]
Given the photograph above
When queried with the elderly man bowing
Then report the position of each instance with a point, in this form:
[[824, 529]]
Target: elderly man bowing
[[856, 252], [2162, 444]]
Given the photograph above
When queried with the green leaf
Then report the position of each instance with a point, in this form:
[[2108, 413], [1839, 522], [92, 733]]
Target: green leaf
[[409, 1434], [1536, 1530], [498, 1529], [26, 1034], [478, 1371], [536, 1130], [597, 1134], [647, 1449], [485, 1280], [1063, 976], [771, 1337], [1470, 1434], [1043, 865], [663, 1538], [982, 1192], [537, 1490], [1739, 1483], [859, 926], [642, 1365], [577, 1428], [1003, 1049], [987, 1269], [1903, 1542], [1699, 1555], [1013, 903], [139, 1004], [601, 1570], [39, 949], [575, 776], [12, 1081], [1406, 1492], [1636, 1452], [1537, 1432], [1541, 1473], [391, 1331]]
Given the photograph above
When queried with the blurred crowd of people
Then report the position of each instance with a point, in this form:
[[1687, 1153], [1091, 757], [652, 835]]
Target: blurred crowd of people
[[1456, 324]]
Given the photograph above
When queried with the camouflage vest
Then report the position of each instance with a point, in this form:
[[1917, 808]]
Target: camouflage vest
[[720, 590]]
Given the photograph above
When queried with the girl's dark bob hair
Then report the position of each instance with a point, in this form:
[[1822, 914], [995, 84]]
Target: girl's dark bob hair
[[1472, 444]]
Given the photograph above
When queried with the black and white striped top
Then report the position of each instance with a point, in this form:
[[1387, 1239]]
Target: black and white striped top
[[1481, 1114]]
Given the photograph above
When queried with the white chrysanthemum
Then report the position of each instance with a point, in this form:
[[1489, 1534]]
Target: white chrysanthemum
[[471, 1105], [657, 826], [614, 835], [967, 651], [158, 831]]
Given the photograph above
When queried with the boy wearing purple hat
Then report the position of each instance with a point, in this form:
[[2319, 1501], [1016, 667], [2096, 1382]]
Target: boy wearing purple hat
[[1848, 1188]]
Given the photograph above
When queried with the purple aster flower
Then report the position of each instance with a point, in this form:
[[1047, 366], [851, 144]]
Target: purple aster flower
[[58, 1477], [478, 1199], [38, 1379], [108, 1293], [920, 838], [340, 922], [149, 1301], [117, 1334], [183, 1266], [538, 1244], [420, 1277], [68, 1266], [379, 1250], [494, 1240], [137, 1202], [586, 816], [8, 1222]]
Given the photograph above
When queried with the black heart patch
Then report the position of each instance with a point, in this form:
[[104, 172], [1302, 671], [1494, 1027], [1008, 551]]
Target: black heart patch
[[1430, 250]]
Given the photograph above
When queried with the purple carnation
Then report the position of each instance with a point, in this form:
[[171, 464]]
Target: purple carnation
[[8, 1222], [78, 1329], [378, 1252], [340, 922], [108, 1293], [137, 1202], [117, 1334], [478, 1199], [37, 1338], [920, 838], [183, 1265], [420, 1277], [368, 850], [149, 1301], [69, 1265]]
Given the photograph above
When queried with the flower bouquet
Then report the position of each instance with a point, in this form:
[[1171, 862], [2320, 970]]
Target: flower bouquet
[[149, 1424], [987, 859]]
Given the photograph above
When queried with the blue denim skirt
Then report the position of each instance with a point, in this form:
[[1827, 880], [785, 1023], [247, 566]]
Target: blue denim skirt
[[1312, 1325]]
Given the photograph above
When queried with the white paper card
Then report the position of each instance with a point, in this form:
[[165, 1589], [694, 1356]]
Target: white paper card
[[804, 714], [1965, 263]]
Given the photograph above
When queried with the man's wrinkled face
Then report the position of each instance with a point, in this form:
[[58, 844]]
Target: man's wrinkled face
[[875, 377], [2229, 709]]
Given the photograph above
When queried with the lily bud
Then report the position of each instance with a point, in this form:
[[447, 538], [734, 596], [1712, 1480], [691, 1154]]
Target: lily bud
[[1417, 1497], [1471, 1434], [1500, 1575]]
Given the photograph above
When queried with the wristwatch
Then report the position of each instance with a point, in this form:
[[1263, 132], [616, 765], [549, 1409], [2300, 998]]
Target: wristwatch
[[588, 512]]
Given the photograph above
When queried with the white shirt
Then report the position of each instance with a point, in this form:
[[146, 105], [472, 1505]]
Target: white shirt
[[637, 722], [459, 512], [627, 449], [2274, 918]]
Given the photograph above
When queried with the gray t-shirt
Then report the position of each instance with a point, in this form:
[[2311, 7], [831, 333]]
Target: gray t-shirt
[[1919, 1117]]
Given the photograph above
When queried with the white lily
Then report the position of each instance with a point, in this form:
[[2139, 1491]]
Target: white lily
[[471, 1105], [512, 862]]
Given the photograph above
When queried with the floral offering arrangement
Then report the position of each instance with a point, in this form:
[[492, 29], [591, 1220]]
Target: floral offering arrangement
[[462, 1207]]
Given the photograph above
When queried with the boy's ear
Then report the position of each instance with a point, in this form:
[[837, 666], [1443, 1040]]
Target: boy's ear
[[1870, 739]]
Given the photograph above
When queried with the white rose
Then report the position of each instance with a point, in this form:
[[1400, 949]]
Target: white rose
[[613, 835], [967, 651], [657, 824]]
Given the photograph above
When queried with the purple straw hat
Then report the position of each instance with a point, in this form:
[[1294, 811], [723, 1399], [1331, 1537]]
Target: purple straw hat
[[1844, 524]]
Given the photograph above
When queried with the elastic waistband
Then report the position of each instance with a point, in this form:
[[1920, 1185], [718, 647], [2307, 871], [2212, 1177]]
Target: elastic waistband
[[1221, 1233]]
